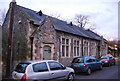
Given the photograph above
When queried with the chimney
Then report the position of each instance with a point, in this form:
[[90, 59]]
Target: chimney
[[13, 2], [9, 61], [71, 24], [40, 13]]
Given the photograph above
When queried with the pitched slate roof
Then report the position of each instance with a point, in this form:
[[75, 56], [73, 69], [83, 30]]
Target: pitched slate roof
[[59, 24], [33, 15]]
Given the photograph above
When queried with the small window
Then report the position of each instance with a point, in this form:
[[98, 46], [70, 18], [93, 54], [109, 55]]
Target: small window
[[55, 66], [63, 40], [40, 67], [67, 41]]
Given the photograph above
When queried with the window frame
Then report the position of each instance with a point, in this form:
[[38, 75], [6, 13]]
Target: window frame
[[93, 48], [77, 47], [65, 47], [86, 46]]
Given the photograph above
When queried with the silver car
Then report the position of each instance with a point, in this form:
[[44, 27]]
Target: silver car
[[39, 70]]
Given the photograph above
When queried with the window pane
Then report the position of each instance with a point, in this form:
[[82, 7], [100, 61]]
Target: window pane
[[67, 41], [67, 50], [21, 67], [54, 66], [78, 60], [86, 51], [74, 42], [77, 43], [63, 40], [63, 50], [74, 51], [40, 67], [78, 52]]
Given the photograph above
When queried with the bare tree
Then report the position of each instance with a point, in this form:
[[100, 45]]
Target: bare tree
[[92, 26], [56, 15], [81, 20]]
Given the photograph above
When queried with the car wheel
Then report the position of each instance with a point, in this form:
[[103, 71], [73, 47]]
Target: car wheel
[[70, 77], [101, 67], [88, 72], [108, 64], [114, 63]]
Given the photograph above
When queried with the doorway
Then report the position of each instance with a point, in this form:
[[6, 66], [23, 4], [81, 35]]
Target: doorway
[[46, 52]]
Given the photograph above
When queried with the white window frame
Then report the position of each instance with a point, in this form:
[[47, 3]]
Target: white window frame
[[77, 46], [69, 47], [86, 46], [93, 48]]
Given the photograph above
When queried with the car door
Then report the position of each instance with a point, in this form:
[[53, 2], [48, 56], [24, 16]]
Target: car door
[[96, 63], [40, 72], [90, 63], [57, 70]]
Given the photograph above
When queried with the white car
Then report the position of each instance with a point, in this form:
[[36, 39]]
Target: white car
[[39, 70]]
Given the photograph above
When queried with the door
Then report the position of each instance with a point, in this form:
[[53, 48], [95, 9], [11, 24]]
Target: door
[[46, 53], [57, 71]]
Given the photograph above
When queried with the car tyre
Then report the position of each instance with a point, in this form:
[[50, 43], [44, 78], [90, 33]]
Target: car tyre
[[108, 64], [88, 72], [70, 77], [114, 63], [101, 67]]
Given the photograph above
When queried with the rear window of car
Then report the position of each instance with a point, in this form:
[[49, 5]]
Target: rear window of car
[[78, 60], [21, 67]]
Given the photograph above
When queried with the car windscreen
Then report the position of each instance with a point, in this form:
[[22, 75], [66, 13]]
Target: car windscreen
[[78, 60], [21, 67], [104, 57]]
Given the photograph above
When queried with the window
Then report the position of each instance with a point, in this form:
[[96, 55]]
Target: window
[[65, 47], [78, 60], [40, 67], [55, 66], [91, 59], [85, 48], [76, 48], [93, 48], [21, 67]]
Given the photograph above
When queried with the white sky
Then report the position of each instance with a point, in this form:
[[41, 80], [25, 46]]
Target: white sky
[[104, 13]]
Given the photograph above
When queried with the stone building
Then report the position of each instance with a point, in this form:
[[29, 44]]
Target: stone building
[[38, 36]]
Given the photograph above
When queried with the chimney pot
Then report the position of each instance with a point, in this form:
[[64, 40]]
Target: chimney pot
[[40, 13], [71, 24]]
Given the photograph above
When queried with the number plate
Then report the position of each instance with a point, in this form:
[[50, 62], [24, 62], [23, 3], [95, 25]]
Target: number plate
[[76, 65], [15, 76]]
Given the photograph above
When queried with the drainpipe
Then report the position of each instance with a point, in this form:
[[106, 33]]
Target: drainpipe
[[31, 40], [10, 38]]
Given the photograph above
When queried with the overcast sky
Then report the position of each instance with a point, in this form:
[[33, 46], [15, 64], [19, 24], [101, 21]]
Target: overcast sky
[[103, 13]]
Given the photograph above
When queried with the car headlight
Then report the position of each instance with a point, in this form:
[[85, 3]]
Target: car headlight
[[106, 61]]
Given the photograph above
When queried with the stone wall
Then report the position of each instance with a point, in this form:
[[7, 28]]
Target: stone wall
[[46, 35], [67, 60], [20, 40]]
